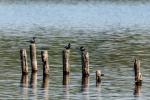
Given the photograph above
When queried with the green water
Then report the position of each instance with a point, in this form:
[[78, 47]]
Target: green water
[[114, 34]]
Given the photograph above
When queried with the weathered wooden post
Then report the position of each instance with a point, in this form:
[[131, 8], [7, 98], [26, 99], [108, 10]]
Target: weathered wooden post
[[138, 74], [98, 77], [85, 62], [33, 57], [24, 61], [66, 60], [44, 55]]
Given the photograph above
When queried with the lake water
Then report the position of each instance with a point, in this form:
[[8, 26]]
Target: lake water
[[113, 32]]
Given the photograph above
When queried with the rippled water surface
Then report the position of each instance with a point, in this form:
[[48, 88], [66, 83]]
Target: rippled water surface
[[113, 32]]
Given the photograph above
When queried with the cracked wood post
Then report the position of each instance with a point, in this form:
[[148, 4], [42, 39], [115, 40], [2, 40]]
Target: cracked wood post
[[33, 57], [44, 55], [85, 62], [66, 62], [24, 62], [138, 74]]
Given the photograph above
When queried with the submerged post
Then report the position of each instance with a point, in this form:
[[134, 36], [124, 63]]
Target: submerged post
[[66, 60], [138, 74], [85, 62], [33, 57], [24, 62], [44, 55]]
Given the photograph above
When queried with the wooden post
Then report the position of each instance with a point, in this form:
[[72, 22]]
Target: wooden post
[[33, 57], [98, 77], [85, 62], [66, 63], [44, 55], [138, 75], [24, 61]]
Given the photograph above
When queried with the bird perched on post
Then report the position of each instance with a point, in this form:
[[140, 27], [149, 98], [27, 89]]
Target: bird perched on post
[[68, 46], [32, 41], [82, 48]]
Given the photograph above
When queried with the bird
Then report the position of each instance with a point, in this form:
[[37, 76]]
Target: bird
[[68, 46], [82, 48], [33, 40]]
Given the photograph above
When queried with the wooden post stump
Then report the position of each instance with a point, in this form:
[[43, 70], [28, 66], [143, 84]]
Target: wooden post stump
[[33, 57], [44, 55], [24, 61], [98, 77], [138, 74], [85, 62], [66, 62]]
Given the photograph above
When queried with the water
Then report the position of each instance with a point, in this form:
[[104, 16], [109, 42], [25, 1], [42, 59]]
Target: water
[[113, 32]]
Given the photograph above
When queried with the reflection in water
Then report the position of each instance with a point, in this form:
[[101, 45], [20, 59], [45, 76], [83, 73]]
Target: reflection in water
[[24, 85], [98, 84], [24, 80], [85, 83], [98, 92], [66, 82], [137, 89], [45, 86], [33, 80], [85, 88], [33, 84]]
